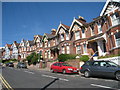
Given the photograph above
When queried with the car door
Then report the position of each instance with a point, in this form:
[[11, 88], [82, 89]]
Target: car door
[[111, 68], [103, 69], [54, 67], [95, 68], [59, 67], [106, 69]]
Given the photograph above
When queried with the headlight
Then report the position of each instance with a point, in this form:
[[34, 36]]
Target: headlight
[[70, 69], [77, 69]]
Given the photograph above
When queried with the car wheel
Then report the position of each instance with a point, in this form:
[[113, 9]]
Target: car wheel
[[117, 75], [52, 70], [64, 71], [87, 74]]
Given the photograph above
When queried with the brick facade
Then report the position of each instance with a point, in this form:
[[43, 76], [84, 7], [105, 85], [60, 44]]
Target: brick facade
[[82, 38]]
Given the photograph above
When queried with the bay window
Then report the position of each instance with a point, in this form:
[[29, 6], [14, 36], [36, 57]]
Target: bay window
[[68, 49], [78, 49], [117, 37], [77, 35], [115, 19]]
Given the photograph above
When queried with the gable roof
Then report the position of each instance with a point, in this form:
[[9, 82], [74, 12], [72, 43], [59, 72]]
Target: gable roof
[[107, 6], [80, 22], [17, 44], [64, 26], [9, 45], [31, 42], [67, 27], [49, 35]]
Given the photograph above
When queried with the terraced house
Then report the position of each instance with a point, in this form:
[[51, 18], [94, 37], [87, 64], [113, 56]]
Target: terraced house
[[82, 38]]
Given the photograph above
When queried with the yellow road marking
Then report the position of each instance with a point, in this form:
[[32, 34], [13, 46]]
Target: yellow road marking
[[5, 83]]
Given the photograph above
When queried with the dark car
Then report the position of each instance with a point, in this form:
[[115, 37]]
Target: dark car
[[10, 64], [63, 67], [21, 65], [101, 68]]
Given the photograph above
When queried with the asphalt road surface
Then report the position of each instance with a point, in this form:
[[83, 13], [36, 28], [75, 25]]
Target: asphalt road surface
[[38, 79]]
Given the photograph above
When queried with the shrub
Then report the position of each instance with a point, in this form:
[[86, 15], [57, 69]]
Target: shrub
[[84, 58], [32, 58], [108, 56], [65, 57]]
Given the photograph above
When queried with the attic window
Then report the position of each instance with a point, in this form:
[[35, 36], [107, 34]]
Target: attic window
[[92, 29], [115, 19]]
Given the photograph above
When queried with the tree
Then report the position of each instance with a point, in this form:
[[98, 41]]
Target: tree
[[84, 58], [32, 58], [65, 57]]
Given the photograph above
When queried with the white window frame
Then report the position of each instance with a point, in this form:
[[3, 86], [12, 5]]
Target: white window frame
[[117, 41], [77, 35], [85, 48], [99, 28], [45, 44], [63, 50], [67, 36], [78, 48], [62, 37], [45, 54], [83, 34], [115, 20], [68, 49]]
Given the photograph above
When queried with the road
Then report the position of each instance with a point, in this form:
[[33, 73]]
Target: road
[[37, 79]]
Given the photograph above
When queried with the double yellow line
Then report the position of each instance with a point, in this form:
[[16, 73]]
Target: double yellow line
[[5, 83]]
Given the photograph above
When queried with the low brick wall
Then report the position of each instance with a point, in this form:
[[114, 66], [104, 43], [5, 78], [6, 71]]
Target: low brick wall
[[74, 62]]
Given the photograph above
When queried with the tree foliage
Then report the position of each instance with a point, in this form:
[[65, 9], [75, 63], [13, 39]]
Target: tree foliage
[[84, 58], [65, 57], [32, 58]]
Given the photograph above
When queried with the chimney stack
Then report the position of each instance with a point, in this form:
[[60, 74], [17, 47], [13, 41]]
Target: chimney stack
[[15, 41], [53, 31], [81, 18]]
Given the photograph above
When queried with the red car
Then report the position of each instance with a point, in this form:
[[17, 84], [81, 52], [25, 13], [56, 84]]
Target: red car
[[63, 67]]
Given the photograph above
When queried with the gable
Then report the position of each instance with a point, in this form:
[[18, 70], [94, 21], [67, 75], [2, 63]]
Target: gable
[[110, 6], [75, 22], [61, 30]]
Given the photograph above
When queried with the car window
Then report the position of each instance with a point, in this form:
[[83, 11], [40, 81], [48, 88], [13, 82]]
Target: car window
[[56, 64], [112, 64], [65, 64], [87, 63], [96, 64], [103, 63]]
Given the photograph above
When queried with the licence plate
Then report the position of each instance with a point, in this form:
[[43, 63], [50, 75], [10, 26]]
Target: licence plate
[[74, 71]]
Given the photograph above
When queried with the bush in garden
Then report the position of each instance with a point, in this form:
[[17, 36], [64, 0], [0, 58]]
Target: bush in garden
[[65, 57], [84, 58]]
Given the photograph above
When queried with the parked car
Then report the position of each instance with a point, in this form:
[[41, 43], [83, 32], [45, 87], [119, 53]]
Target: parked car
[[63, 67], [21, 65], [101, 68], [10, 64]]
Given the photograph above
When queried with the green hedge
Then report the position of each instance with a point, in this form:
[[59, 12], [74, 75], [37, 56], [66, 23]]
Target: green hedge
[[84, 58], [9, 60], [65, 57], [108, 56]]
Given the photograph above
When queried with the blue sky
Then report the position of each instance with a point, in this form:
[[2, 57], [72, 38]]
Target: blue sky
[[26, 19]]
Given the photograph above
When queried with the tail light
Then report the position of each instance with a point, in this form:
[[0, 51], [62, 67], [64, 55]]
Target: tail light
[[80, 68]]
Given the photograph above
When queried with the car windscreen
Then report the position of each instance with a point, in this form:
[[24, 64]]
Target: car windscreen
[[65, 64]]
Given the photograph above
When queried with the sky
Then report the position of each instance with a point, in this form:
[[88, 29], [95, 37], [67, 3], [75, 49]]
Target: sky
[[23, 20]]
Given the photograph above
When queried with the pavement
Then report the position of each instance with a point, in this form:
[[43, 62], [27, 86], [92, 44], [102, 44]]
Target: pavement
[[38, 79], [34, 68]]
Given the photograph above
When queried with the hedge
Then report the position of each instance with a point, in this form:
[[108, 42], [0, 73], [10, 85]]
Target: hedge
[[84, 58], [65, 57]]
